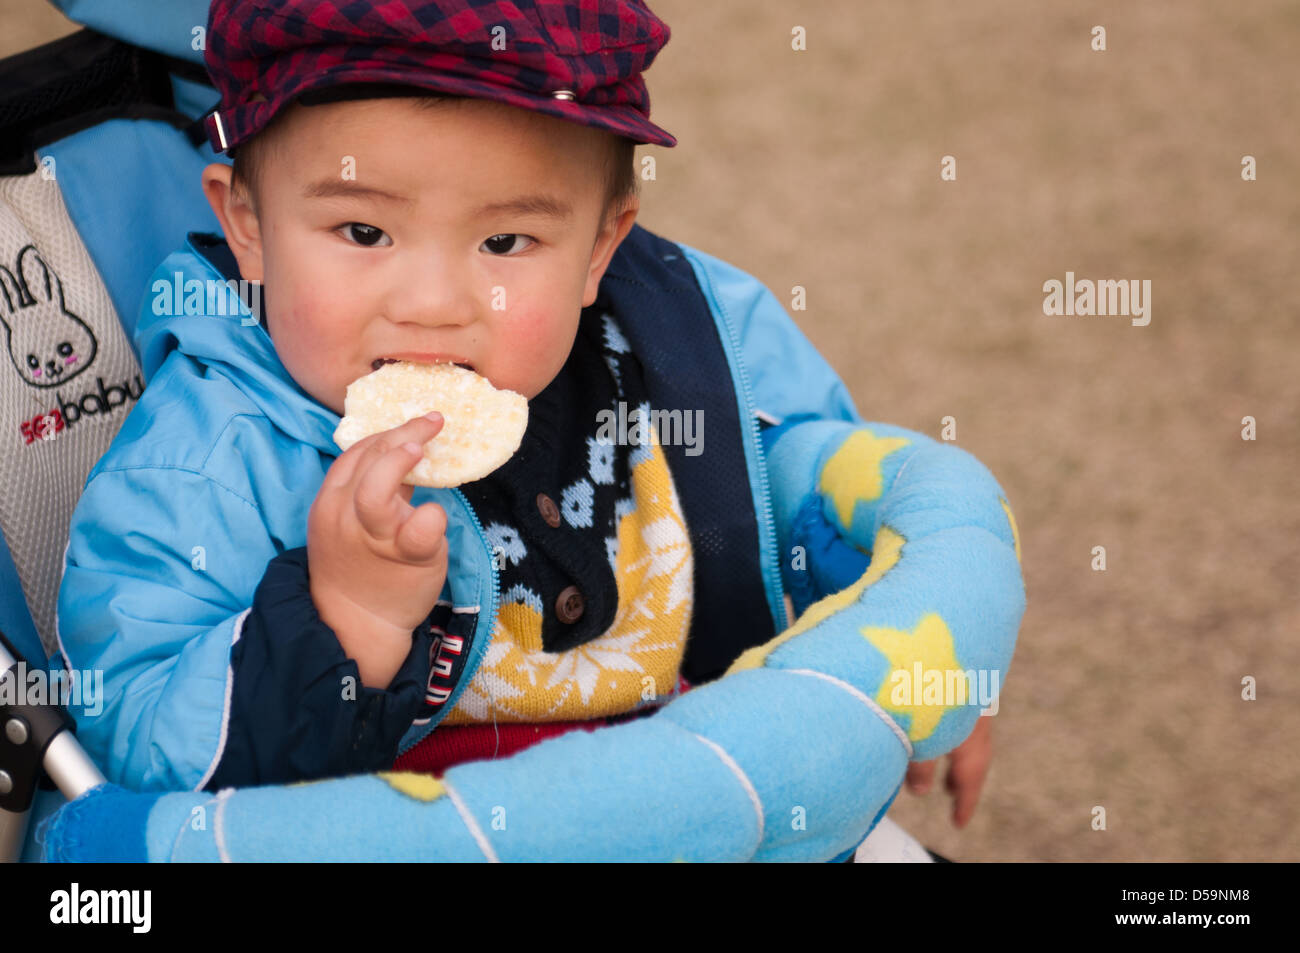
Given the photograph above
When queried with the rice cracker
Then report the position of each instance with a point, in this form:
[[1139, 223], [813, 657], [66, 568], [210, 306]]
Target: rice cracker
[[482, 426]]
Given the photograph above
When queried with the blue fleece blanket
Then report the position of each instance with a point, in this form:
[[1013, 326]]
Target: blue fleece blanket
[[793, 755]]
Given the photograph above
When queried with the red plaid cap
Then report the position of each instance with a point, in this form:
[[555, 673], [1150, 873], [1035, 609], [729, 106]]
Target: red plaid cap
[[579, 60]]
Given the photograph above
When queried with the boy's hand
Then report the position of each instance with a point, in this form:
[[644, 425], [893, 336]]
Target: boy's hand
[[970, 765], [377, 563]]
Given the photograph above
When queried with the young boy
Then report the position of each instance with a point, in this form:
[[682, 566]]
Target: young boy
[[266, 609]]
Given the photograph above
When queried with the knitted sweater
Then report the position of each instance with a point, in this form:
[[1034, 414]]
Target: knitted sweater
[[595, 584]]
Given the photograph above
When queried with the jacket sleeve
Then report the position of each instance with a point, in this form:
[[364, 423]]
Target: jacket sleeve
[[214, 665], [298, 709]]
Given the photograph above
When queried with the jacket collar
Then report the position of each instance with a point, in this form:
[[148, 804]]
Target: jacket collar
[[176, 317]]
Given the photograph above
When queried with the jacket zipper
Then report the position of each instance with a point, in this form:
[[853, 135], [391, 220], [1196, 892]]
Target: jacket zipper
[[772, 566], [480, 644]]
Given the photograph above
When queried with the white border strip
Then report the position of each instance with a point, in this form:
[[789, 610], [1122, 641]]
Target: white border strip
[[218, 829], [225, 709], [180, 831], [880, 712], [744, 781], [471, 824], [187, 823]]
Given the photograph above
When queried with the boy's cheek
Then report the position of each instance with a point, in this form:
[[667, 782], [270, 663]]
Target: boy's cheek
[[544, 331], [302, 337], [313, 298], [544, 343]]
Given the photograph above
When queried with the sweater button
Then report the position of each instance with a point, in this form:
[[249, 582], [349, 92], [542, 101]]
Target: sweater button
[[550, 512], [569, 606]]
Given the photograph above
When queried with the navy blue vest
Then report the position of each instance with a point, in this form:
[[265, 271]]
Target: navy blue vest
[[651, 287]]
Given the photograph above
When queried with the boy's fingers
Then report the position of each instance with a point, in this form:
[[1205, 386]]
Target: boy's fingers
[[419, 429], [378, 504], [982, 733], [968, 766], [376, 479], [422, 533], [344, 466], [920, 775], [965, 781]]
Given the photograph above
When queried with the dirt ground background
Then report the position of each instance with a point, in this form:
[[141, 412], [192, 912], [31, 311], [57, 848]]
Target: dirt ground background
[[821, 168]]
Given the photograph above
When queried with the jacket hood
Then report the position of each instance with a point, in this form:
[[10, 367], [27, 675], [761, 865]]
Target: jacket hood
[[190, 307]]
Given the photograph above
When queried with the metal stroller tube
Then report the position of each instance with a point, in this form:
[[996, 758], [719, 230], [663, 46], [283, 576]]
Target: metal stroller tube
[[34, 740]]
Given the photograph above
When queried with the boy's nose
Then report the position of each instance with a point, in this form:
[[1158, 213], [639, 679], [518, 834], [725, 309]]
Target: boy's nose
[[434, 294]]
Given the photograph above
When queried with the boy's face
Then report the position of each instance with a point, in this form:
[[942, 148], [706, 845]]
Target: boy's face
[[384, 229]]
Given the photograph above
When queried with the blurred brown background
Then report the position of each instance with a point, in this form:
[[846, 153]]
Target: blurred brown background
[[821, 168]]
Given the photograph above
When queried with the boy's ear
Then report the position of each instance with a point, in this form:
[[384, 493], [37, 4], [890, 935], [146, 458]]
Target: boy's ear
[[607, 242], [238, 220]]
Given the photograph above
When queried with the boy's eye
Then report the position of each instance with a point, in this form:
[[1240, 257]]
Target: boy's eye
[[500, 244], [366, 235]]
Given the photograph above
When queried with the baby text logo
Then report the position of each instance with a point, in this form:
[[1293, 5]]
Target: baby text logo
[[102, 400], [209, 297], [670, 427], [1104, 297]]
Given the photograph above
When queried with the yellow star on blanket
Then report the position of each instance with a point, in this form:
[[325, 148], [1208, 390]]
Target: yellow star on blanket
[[929, 644], [421, 787], [853, 473]]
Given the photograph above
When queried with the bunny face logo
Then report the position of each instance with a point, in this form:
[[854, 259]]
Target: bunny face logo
[[47, 343]]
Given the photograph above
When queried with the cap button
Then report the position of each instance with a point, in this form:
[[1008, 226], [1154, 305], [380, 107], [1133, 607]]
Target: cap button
[[566, 94], [569, 606], [550, 512]]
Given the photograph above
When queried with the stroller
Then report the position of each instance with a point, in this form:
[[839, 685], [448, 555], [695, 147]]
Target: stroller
[[101, 130]]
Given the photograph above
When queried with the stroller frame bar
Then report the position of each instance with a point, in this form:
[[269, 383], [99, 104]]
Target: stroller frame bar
[[35, 739]]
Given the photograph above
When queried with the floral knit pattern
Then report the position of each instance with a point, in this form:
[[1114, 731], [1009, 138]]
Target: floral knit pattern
[[624, 505]]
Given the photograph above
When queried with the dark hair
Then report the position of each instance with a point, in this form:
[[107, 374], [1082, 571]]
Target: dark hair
[[619, 166]]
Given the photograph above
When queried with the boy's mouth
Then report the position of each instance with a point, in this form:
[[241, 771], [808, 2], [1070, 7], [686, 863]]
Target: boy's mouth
[[379, 362]]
